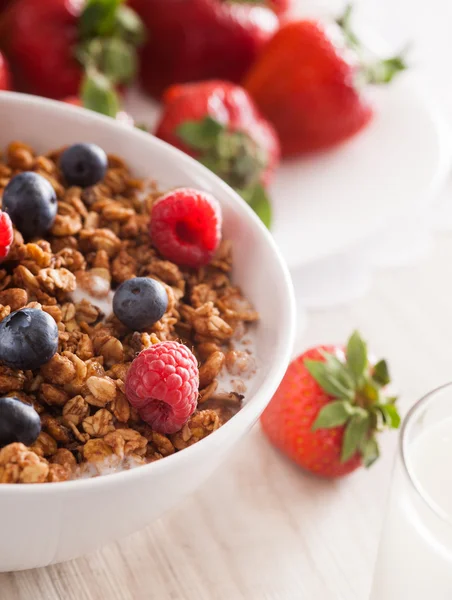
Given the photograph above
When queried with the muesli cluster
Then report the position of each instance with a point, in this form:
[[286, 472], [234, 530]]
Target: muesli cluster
[[117, 316]]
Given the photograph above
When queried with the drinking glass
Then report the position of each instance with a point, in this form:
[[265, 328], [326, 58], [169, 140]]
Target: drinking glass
[[415, 555]]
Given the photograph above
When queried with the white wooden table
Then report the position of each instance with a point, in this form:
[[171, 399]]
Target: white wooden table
[[260, 529]]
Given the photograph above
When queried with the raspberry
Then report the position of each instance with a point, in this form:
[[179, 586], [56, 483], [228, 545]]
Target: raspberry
[[6, 234], [186, 227], [162, 383]]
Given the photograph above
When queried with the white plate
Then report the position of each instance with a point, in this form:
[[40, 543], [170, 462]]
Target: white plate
[[328, 202]]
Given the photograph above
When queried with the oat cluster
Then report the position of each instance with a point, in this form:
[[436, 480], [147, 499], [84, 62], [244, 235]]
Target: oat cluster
[[100, 239]]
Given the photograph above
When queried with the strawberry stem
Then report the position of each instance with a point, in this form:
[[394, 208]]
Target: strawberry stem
[[383, 71], [109, 35], [232, 155], [344, 23], [98, 94], [374, 70], [357, 402]]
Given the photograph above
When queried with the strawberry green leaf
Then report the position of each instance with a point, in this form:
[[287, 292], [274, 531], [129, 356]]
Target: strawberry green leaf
[[118, 60], [370, 451], [200, 135], [98, 94], [129, 27], [383, 420], [344, 22], [333, 414], [98, 18], [371, 391], [327, 380], [376, 71], [356, 356], [381, 373], [340, 370], [383, 71], [241, 159], [235, 156], [360, 412], [259, 201], [209, 162], [89, 53], [108, 36], [391, 415], [355, 434], [374, 415]]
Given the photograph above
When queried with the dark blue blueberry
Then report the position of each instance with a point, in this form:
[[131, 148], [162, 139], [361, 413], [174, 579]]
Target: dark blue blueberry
[[83, 164], [31, 202], [28, 339], [19, 422], [140, 302]]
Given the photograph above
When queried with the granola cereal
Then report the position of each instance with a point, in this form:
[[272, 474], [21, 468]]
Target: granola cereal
[[100, 239]]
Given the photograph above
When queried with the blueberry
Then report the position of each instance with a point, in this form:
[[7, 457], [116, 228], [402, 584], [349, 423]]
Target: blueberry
[[140, 302], [19, 422], [28, 339], [31, 202], [83, 164]]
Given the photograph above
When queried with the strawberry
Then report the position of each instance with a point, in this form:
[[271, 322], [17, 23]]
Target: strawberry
[[329, 408], [218, 123], [5, 77], [39, 41], [280, 7], [193, 40], [4, 4], [308, 82], [74, 100], [52, 43]]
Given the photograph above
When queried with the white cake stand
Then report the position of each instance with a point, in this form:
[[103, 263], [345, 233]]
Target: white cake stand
[[367, 203]]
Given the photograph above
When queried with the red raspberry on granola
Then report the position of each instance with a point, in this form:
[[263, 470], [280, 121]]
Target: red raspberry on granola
[[186, 226], [162, 383], [6, 234]]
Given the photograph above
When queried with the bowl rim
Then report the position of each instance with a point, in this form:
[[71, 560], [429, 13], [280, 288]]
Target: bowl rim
[[257, 401]]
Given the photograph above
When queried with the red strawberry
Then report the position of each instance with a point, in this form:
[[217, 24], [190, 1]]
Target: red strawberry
[[218, 123], [280, 7], [74, 100], [329, 408], [305, 82], [193, 40], [5, 77], [50, 42], [4, 4], [42, 36]]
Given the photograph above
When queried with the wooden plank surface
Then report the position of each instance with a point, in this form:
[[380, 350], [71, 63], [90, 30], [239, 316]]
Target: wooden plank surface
[[260, 529]]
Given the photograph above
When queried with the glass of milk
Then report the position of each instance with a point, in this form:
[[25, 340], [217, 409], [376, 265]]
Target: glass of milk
[[415, 555]]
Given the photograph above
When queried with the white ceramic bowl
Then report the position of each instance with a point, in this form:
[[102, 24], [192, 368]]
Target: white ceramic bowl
[[47, 523]]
